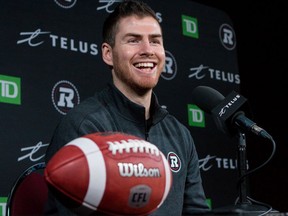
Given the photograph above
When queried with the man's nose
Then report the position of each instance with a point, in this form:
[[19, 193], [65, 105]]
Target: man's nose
[[146, 48]]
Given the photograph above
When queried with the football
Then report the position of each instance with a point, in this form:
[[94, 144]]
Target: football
[[110, 172]]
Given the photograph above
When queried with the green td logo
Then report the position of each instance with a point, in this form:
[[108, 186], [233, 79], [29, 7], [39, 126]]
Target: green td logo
[[10, 89], [196, 116], [190, 26]]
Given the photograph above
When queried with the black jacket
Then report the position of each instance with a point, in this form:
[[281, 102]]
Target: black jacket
[[110, 110]]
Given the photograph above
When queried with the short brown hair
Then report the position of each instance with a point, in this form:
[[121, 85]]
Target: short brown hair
[[122, 10]]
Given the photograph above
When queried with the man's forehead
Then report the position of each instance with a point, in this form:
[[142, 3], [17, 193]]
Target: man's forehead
[[139, 24]]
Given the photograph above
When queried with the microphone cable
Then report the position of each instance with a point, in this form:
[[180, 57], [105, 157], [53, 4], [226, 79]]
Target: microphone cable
[[251, 201], [269, 208], [263, 164]]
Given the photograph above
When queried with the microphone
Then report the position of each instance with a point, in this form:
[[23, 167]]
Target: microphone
[[227, 111]]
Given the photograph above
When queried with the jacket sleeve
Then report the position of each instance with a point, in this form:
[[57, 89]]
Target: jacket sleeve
[[194, 195], [67, 130]]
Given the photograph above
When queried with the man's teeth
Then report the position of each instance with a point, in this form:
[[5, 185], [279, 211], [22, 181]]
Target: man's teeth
[[145, 64]]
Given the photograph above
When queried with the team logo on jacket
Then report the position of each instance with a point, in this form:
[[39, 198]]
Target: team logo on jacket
[[174, 162]]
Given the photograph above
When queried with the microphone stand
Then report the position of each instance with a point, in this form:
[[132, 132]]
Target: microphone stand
[[244, 205], [242, 168], [243, 202]]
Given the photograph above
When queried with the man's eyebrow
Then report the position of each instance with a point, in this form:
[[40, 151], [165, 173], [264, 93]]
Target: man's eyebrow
[[139, 35], [156, 35]]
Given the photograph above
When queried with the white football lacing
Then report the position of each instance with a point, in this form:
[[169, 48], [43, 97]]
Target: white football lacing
[[133, 145]]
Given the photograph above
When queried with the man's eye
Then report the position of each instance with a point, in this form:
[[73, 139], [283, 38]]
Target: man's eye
[[155, 42], [133, 41]]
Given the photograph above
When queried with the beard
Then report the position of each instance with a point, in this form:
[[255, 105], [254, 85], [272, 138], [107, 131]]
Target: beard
[[140, 85]]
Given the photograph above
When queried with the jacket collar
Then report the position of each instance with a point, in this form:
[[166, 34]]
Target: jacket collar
[[130, 110]]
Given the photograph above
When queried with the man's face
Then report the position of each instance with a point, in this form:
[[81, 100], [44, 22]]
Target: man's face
[[138, 54]]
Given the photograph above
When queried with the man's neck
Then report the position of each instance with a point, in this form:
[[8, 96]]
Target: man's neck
[[143, 99]]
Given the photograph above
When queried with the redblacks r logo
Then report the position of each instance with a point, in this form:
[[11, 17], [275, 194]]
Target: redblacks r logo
[[174, 162]]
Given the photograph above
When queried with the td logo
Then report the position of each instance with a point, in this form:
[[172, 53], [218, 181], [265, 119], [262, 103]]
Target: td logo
[[190, 26], [196, 117], [10, 89]]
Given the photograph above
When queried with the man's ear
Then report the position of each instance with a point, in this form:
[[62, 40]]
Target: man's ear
[[107, 54]]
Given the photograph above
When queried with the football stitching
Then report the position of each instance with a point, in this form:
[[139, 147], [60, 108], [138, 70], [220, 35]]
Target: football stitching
[[132, 145]]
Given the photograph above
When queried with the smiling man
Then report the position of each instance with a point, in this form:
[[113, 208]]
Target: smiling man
[[134, 51], [136, 55]]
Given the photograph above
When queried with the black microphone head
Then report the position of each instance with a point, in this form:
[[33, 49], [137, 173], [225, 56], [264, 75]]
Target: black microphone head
[[224, 110], [206, 98]]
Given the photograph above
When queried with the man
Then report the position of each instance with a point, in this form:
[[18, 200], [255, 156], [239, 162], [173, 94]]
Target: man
[[134, 51]]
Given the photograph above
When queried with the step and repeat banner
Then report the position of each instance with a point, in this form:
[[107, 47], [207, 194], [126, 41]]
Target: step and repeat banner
[[50, 60]]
